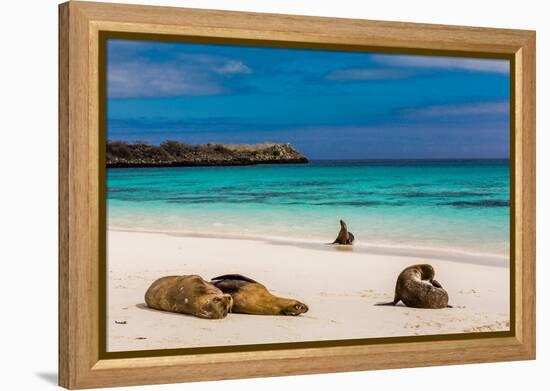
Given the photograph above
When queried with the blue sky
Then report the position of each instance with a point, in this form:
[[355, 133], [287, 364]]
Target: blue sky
[[329, 104]]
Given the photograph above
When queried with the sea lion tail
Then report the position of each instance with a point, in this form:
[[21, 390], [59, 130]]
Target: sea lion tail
[[239, 277], [449, 306]]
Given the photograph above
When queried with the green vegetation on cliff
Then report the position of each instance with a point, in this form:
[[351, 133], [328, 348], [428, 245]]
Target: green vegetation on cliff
[[122, 154]]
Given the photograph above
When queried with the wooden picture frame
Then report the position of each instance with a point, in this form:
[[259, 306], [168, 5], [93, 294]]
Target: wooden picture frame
[[81, 244]]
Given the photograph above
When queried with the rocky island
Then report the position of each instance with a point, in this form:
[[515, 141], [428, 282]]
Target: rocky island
[[121, 154]]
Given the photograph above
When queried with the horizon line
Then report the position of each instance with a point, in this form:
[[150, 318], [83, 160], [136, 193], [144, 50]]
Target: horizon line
[[408, 159], [362, 159]]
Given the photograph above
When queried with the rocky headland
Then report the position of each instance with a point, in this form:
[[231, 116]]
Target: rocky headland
[[121, 154]]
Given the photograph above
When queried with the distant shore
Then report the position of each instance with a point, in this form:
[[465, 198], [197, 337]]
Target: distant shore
[[339, 284], [121, 154], [202, 163]]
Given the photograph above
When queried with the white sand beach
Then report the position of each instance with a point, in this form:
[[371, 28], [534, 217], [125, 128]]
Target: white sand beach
[[339, 284]]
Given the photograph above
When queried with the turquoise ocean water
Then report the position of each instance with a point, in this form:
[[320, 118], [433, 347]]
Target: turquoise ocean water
[[444, 205]]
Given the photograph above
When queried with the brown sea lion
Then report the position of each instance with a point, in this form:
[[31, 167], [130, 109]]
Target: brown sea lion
[[344, 236], [188, 295], [251, 297], [417, 288]]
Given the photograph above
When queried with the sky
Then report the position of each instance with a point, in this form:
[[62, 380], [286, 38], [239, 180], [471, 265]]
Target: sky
[[328, 104]]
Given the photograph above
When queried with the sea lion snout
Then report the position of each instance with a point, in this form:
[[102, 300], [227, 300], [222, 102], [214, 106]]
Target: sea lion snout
[[217, 307], [224, 299], [296, 308]]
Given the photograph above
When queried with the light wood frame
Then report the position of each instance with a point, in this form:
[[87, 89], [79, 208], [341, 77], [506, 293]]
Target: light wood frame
[[80, 24]]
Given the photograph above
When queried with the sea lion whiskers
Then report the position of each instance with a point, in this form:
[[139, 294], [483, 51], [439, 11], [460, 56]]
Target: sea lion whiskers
[[229, 304]]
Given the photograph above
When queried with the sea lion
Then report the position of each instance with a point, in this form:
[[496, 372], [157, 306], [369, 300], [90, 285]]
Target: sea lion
[[344, 236], [251, 297], [188, 295], [417, 288]]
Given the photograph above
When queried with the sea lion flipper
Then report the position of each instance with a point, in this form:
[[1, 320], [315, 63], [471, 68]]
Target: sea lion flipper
[[394, 302], [238, 277], [436, 284]]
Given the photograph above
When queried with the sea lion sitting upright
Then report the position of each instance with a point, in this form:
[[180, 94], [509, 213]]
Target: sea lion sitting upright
[[417, 288], [251, 297], [344, 236], [188, 295]]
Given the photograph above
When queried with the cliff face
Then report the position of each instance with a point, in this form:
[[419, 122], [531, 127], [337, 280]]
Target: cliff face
[[174, 154]]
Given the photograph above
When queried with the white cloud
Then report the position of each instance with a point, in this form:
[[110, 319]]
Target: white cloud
[[499, 107], [147, 79], [188, 75], [232, 67], [451, 63], [367, 74]]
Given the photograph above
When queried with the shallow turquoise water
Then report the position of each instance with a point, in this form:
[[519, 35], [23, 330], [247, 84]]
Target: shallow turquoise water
[[462, 205]]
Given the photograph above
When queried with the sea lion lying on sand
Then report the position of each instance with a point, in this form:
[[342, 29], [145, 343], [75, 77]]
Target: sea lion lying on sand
[[188, 295], [417, 288], [344, 236], [251, 297]]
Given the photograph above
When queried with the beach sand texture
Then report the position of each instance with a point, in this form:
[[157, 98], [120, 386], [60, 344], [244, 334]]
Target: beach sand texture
[[339, 284]]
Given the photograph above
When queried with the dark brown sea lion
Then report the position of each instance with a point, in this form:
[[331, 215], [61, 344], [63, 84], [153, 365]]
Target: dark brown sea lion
[[344, 236], [417, 288], [251, 297], [188, 295]]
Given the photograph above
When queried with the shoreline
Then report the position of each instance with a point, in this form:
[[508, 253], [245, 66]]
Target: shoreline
[[443, 253], [340, 286], [243, 163]]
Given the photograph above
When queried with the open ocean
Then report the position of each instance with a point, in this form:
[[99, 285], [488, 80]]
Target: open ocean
[[459, 205]]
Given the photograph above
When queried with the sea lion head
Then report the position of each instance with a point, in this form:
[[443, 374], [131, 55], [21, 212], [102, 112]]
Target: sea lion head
[[427, 272], [205, 299], [343, 224], [294, 308], [214, 306]]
